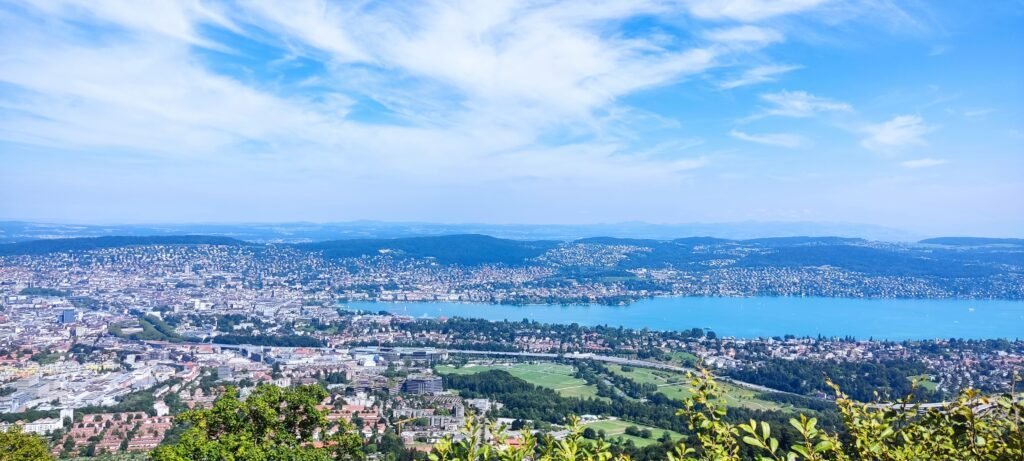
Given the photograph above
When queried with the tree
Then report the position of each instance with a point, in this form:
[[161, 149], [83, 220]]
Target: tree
[[271, 424], [973, 427], [21, 446]]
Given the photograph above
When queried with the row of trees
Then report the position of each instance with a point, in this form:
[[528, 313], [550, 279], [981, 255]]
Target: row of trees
[[890, 379]]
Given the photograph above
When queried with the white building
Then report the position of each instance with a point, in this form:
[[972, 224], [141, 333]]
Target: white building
[[43, 426]]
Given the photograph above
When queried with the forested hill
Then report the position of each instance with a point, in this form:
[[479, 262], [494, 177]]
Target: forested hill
[[606, 256], [972, 241], [469, 249], [38, 247]]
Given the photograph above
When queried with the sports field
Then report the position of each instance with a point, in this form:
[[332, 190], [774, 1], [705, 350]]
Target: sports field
[[550, 375]]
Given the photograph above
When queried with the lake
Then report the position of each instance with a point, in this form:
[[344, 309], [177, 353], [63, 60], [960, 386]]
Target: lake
[[894, 319]]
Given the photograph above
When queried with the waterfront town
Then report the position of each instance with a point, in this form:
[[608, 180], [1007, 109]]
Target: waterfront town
[[100, 350]]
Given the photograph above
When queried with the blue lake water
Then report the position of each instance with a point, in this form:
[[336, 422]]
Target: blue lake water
[[894, 319]]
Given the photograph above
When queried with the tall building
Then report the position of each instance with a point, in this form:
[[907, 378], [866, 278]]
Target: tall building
[[423, 384], [66, 316]]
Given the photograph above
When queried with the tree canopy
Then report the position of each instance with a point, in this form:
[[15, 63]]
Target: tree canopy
[[270, 424], [973, 427], [22, 446]]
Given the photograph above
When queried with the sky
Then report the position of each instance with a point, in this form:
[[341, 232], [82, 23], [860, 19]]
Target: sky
[[906, 114]]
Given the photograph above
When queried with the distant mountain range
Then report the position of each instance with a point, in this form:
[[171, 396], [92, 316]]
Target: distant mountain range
[[17, 231]]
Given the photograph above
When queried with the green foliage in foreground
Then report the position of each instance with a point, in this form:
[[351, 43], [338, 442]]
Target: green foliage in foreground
[[275, 424], [272, 424], [973, 427], [20, 446]]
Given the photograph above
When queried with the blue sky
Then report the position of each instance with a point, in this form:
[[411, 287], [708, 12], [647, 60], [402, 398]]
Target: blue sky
[[901, 114]]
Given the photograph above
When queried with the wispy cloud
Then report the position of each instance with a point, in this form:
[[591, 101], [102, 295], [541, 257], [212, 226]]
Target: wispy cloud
[[788, 140], [799, 104], [745, 35], [749, 10], [897, 133], [759, 74], [250, 107], [923, 163], [463, 79], [975, 113]]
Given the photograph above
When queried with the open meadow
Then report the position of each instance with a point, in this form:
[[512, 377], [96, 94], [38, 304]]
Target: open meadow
[[556, 376]]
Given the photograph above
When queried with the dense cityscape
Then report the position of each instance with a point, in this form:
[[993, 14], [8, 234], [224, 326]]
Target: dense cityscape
[[101, 348]]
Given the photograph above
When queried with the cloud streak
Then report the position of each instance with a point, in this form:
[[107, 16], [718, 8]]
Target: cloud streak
[[799, 104], [787, 140], [759, 74], [897, 133], [923, 163]]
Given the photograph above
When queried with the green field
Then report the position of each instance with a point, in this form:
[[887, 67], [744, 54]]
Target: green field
[[550, 375], [685, 359], [675, 386], [925, 382], [560, 378], [615, 429]]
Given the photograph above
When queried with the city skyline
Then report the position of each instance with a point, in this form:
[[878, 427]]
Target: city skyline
[[897, 114]]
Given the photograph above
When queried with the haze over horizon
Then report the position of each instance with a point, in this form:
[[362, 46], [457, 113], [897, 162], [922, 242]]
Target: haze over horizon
[[903, 114]]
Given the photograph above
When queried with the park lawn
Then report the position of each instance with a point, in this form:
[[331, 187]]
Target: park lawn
[[925, 382], [684, 358], [556, 376], [616, 429], [675, 386]]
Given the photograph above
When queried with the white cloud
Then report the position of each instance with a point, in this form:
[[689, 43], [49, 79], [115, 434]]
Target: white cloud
[[923, 163], [170, 18], [975, 113], [323, 25], [745, 35], [897, 133], [523, 62], [800, 104], [148, 96], [502, 92], [748, 10], [759, 74], [788, 140]]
